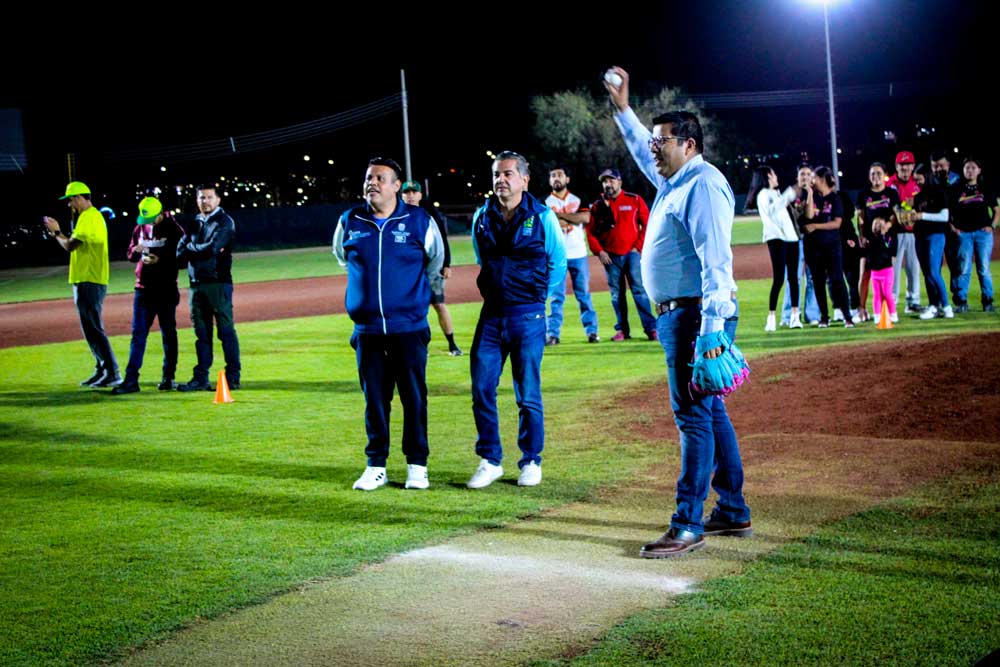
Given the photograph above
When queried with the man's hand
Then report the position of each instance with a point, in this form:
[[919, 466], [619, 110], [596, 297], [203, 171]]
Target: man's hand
[[605, 258], [809, 227], [713, 353], [51, 226], [150, 259], [619, 94], [850, 243], [446, 272]]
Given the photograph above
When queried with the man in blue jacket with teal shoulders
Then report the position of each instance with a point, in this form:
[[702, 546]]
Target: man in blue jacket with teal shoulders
[[393, 254], [519, 247]]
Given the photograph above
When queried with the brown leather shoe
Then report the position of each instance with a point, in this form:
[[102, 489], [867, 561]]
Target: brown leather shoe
[[721, 527], [674, 542]]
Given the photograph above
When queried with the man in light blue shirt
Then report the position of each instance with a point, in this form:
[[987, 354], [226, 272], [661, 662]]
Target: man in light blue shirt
[[687, 268]]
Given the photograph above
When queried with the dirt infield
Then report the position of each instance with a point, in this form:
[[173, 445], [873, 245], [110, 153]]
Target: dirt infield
[[56, 321], [910, 393]]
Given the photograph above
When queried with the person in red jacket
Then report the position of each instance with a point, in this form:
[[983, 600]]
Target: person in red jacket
[[615, 234]]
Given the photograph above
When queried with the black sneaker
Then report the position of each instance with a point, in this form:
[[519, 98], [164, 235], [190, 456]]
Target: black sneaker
[[233, 384], [92, 379], [961, 307], [126, 388], [455, 352], [551, 340], [107, 380], [593, 338], [988, 308], [167, 384], [195, 385], [914, 308]]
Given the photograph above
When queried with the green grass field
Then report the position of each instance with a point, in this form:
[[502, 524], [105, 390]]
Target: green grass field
[[50, 282], [126, 517]]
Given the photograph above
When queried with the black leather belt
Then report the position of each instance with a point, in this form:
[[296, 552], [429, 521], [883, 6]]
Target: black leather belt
[[674, 304]]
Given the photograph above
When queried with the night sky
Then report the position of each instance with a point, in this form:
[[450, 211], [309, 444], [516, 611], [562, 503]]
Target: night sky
[[115, 83]]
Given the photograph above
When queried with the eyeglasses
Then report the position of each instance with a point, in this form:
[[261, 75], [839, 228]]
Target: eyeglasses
[[656, 143]]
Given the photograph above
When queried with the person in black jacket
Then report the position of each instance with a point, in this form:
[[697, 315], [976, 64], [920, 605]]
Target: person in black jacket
[[208, 250]]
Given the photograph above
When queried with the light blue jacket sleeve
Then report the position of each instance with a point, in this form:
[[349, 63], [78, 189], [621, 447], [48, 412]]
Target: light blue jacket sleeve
[[636, 137], [434, 249], [555, 251], [338, 241], [710, 220], [475, 222]]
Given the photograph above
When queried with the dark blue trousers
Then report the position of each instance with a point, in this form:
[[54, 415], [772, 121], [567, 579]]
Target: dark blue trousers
[[385, 363], [153, 303]]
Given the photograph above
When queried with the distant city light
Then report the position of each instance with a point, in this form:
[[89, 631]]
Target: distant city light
[[300, 190], [163, 168], [306, 158], [329, 161]]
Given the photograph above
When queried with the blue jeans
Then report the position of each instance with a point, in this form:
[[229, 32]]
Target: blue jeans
[[579, 273], [811, 306], [89, 300], [709, 451], [930, 252], [522, 338], [622, 269], [978, 246], [153, 304], [385, 363], [214, 301], [952, 244]]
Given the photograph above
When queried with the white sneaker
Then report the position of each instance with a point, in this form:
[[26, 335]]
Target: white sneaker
[[948, 312], [795, 323], [854, 313], [930, 312], [770, 326], [531, 474], [371, 479], [894, 317], [416, 477], [838, 315], [485, 474], [877, 319]]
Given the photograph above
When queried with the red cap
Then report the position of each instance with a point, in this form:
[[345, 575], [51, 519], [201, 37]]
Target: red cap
[[905, 157]]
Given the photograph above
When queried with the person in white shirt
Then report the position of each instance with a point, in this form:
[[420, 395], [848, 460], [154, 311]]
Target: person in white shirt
[[782, 240], [566, 206]]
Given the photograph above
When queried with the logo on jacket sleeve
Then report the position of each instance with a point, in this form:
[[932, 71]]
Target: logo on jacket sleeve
[[528, 227], [400, 234]]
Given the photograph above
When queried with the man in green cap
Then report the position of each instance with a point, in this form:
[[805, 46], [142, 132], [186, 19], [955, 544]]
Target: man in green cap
[[413, 195], [87, 246], [154, 251]]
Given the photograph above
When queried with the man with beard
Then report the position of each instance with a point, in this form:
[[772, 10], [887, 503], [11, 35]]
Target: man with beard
[[566, 207], [616, 230]]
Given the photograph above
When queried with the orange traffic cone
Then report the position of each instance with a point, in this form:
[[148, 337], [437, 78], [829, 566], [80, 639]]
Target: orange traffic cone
[[883, 321], [222, 394]]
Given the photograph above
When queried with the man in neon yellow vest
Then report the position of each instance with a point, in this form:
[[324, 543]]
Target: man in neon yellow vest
[[87, 246]]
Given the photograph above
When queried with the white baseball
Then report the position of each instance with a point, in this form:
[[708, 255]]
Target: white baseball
[[614, 78]]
